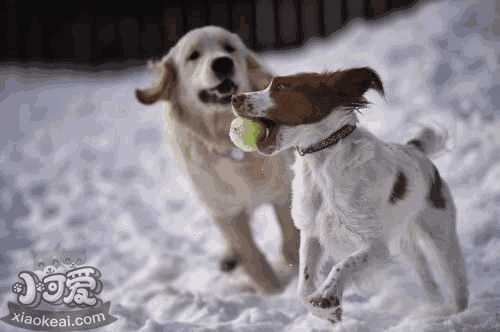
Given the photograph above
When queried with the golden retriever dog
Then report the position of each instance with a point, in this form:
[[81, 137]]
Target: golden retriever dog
[[197, 78]]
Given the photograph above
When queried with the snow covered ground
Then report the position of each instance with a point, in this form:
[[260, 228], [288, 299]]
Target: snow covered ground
[[84, 167]]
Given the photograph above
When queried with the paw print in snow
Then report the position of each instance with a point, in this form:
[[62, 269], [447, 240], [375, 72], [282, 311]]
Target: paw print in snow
[[18, 288], [40, 287], [49, 270]]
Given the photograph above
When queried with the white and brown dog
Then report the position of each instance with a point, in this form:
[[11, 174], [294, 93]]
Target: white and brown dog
[[356, 199], [197, 79]]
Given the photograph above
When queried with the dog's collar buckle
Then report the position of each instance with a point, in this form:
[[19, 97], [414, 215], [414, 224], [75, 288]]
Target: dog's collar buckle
[[327, 142]]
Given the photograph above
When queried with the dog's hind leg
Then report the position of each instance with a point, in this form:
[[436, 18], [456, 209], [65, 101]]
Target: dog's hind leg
[[440, 237], [236, 230], [417, 259], [448, 255], [457, 271], [290, 235]]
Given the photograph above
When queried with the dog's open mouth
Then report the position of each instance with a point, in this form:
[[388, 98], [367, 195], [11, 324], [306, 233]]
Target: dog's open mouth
[[220, 94], [267, 144], [269, 124]]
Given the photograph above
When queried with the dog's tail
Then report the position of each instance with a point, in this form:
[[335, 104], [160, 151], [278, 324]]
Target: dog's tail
[[430, 140]]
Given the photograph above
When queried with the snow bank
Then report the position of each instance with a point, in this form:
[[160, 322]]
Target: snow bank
[[84, 166]]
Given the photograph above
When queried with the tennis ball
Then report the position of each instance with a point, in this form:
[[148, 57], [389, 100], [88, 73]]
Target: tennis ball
[[245, 133]]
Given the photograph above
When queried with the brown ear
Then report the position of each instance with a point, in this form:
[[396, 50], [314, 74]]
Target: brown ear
[[162, 89], [259, 76], [355, 82]]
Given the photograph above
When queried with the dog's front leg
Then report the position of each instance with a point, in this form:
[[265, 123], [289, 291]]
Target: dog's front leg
[[291, 239], [237, 232], [310, 253], [325, 302]]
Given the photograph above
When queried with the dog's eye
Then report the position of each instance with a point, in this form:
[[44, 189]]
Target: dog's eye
[[228, 48], [193, 56], [280, 86]]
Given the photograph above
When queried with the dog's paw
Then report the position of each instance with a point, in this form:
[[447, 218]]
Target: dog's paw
[[326, 307], [228, 263]]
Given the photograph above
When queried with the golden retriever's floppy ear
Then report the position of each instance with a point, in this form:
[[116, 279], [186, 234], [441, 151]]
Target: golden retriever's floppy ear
[[259, 76], [162, 89]]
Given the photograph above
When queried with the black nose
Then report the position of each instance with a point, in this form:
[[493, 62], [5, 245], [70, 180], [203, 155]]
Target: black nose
[[223, 67]]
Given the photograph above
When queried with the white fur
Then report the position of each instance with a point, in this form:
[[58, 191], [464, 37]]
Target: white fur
[[341, 206], [305, 135], [196, 75], [260, 102]]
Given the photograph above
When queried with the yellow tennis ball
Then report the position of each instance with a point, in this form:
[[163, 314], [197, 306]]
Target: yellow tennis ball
[[245, 133]]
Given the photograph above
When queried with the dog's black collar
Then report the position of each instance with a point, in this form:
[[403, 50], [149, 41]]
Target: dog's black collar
[[329, 141]]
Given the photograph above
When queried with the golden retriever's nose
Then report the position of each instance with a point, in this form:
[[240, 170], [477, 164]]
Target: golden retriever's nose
[[223, 67], [237, 100]]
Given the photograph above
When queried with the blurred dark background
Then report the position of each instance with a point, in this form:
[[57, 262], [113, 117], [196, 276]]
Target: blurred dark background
[[103, 32]]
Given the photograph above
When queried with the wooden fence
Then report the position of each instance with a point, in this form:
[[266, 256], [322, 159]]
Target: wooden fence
[[96, 32]]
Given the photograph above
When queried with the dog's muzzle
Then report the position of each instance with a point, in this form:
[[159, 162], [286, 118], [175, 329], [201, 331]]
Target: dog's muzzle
[[223, 67], [237, 101], [220, 94], [241, 107]]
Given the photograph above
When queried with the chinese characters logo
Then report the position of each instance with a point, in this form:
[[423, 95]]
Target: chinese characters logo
[[74, 286]]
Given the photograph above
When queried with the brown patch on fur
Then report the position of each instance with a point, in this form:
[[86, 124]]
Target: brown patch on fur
[[416, 143], [436, 196], [310, 97], [399, 188]]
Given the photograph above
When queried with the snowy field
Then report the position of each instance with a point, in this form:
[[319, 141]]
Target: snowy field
[[84, 167]]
